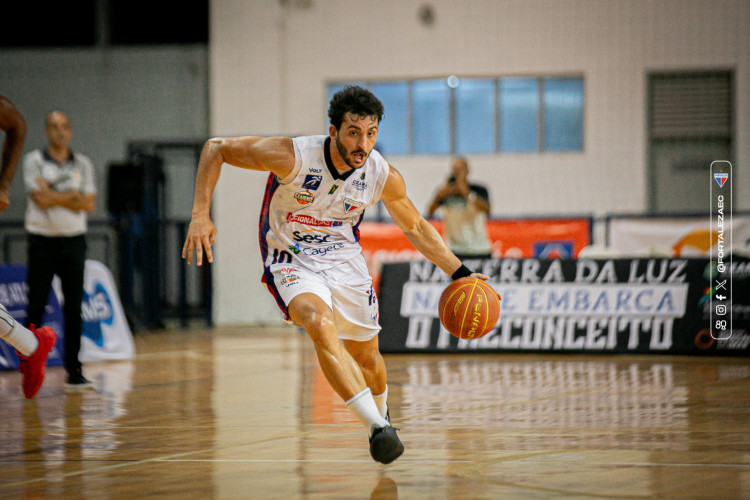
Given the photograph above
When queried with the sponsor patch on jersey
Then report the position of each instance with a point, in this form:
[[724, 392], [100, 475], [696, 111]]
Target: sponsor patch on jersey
[[312, 182], [288, 270], [314, 170], [311, 221], [311, 238], [359, 185], [320, 251], [290, 279], [351, 205], [304, 197]]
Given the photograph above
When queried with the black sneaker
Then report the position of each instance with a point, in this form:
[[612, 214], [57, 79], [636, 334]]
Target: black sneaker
[[385, 446], [78, 383]]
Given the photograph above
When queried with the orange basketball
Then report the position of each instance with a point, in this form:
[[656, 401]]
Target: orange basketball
[[469, 308]]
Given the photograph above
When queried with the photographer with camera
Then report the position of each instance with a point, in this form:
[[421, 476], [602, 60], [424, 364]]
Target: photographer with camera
[[464, 209]]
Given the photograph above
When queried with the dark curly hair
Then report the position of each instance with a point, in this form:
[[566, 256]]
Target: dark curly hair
[[355, 100]]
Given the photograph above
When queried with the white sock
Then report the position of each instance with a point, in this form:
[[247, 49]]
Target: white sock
[[381, 401], [363, 406], [16, 334]]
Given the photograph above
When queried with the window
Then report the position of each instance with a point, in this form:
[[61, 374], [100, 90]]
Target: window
[[479, 115], [393, 132], [431, 100], [475, 116], [563, 114], [519, 114]]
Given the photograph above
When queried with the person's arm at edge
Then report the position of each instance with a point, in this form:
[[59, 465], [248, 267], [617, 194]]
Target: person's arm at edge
[[272, 154], [14, 126]]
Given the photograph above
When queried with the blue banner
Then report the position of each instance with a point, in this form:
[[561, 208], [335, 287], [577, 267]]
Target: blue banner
[[13, 295]]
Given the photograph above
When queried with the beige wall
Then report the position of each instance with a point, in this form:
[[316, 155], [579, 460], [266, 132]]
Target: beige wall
[[269, 66]]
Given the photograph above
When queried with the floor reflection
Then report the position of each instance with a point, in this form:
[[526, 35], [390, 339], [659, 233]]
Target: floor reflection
[[545, 394], [243, 413]]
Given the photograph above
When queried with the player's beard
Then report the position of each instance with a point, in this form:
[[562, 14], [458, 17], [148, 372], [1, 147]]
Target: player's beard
[[345, 156]]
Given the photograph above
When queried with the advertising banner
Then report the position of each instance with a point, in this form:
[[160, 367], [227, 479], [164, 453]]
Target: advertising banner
[[513, 238], [14, 296], [600, 306], [105, 332], [675, 237]]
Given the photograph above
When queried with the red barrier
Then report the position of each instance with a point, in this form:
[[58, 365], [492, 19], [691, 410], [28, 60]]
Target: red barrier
[[514, 238]]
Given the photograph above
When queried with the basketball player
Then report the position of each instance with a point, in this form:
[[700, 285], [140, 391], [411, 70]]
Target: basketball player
[[317, 191], [32, 346]]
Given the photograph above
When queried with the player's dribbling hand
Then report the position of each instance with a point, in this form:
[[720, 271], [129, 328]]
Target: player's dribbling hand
[[201, 235], [484, 277]]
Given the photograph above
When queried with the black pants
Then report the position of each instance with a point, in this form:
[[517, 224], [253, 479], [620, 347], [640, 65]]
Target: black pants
[[65, 257]]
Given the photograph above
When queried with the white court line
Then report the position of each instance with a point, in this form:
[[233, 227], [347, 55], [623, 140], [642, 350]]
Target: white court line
[[292, 460], [630, 464]]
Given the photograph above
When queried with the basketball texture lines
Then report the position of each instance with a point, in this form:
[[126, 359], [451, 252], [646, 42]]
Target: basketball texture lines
[[469, 308]]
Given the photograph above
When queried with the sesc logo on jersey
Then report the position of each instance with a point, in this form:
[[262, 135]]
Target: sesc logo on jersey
[[312, 182]]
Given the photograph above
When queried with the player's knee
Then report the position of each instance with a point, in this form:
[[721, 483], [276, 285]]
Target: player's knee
[[319, 325]]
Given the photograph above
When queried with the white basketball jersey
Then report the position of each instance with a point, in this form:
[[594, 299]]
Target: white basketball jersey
[[311, 217]]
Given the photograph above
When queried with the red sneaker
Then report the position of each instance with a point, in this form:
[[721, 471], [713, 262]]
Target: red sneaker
[[33, 366]]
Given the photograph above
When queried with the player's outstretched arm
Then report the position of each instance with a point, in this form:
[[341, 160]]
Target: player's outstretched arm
[[419, 232], [14, 126], [272, 154]]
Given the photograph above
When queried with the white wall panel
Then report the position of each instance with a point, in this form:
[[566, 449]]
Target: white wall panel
[[270, 66]]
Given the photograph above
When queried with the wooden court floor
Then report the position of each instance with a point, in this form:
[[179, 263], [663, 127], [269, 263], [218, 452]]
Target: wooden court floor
[[246, 413]]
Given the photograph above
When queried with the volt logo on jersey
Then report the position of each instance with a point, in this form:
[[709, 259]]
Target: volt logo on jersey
[[351, 205], [312, 182], [304, 197], [721, 178]]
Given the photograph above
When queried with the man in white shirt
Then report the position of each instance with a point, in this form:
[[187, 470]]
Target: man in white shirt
[[62, 193]]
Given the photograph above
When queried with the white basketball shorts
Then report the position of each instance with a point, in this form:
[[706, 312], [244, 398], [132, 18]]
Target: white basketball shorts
[[346, 288]]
